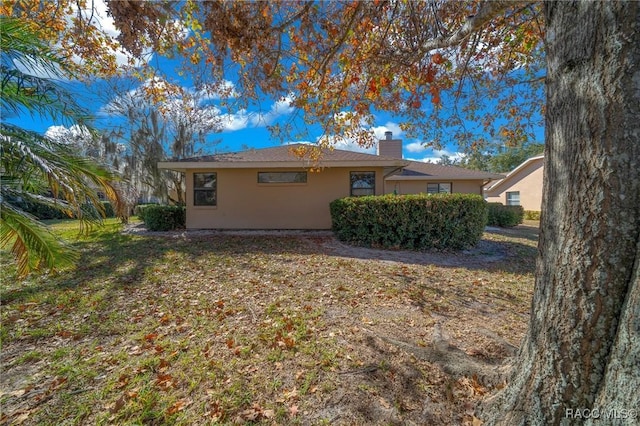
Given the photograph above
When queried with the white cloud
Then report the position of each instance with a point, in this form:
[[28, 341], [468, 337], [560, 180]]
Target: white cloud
[[415, 147], [348, 144], [225, 89], [236, 121], [379, 131], [98, 10], [243, 119], [434, 156], [68, 135]]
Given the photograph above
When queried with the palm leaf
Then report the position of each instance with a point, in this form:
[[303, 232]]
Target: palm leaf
[[32, 243], [69, 176], [23, 49], [33, 167]]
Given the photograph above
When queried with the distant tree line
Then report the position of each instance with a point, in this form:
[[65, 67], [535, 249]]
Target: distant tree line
[[495, 159]]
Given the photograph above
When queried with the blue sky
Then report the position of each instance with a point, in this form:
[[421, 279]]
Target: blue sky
[[242, 128]]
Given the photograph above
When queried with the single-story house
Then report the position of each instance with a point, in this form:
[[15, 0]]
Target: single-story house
[[273, 188], [521, 187]]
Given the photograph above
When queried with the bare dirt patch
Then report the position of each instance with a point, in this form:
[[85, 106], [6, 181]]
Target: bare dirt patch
[[286, 328]]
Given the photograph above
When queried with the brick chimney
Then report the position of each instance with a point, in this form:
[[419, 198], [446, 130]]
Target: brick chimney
[[389, 147]]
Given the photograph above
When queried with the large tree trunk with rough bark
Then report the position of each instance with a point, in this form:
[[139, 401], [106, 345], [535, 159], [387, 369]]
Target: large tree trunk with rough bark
[[581, 356]]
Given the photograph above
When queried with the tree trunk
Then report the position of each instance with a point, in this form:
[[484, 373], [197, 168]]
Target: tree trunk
[[581, 356]]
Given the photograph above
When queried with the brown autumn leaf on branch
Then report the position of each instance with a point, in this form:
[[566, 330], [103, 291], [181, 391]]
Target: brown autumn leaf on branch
[[358, 57]]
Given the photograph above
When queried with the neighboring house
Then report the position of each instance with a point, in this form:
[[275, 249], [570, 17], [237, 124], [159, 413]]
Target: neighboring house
[[521, 187], [272, 188]]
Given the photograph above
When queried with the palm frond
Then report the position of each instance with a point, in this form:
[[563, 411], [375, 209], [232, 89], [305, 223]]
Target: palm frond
[[36, 168], [69, 176], [36, 91], [24, 93], [33, 245]]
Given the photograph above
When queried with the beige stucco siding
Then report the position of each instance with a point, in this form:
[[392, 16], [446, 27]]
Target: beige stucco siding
[[527, 181], [403, 187], [243, 203]]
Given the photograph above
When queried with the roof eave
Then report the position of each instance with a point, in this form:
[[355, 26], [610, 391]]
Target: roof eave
[[183, 166], [437, 178]]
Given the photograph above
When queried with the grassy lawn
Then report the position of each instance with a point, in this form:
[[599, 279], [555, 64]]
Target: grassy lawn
[[196, 328]]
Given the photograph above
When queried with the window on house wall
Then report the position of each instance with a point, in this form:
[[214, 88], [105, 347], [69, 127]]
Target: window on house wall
[[282, 177], [205, 187], [513, 198], [363, 183], [439, 188]]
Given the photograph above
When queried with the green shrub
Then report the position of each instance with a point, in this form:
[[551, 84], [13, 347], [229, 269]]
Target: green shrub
[[91, 211], [108, 209], [504, 216], [140, 209], [445, 221], [532, 215], [163, 218], [43, 211]]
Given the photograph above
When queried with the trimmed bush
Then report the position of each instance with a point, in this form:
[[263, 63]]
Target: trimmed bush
[[417, 222], [163, 218], [504, 216], [532, 215], [139, 210]]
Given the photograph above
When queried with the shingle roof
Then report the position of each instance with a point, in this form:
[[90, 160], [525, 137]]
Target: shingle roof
[[417, 170], [285, 153], [284, 156]]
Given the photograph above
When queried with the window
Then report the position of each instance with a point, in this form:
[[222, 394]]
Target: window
[[205, 189], [363, 183], [438, 188], [513, 198], [282, 177]]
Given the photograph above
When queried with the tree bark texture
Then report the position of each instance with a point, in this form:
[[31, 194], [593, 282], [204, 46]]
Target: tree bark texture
[[581, 356]]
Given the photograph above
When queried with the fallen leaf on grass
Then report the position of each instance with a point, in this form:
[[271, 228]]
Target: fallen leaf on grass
[[117, 406], [136, 350], [123, 380], [163, 365], [57, 383], [150, 337], [164, 381], [292, 394], [293, 410], [255, 413], [179, 406]]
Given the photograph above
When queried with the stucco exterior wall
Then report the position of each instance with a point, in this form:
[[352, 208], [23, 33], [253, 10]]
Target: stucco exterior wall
[[527, 181], [403, 187], [243, 203]]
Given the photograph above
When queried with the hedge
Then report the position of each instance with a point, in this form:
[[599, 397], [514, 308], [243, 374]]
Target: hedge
[[417, 222], [140, 209], [108, 211], [46, 212], [504, 216], [43, 211], [162, 218], [532, 214]]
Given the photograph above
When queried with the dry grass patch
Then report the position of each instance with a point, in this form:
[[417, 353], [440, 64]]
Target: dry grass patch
[[183, 328]]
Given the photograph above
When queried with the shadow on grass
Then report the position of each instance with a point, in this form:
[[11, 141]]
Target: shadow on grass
[[124, 260], [530, 232]]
